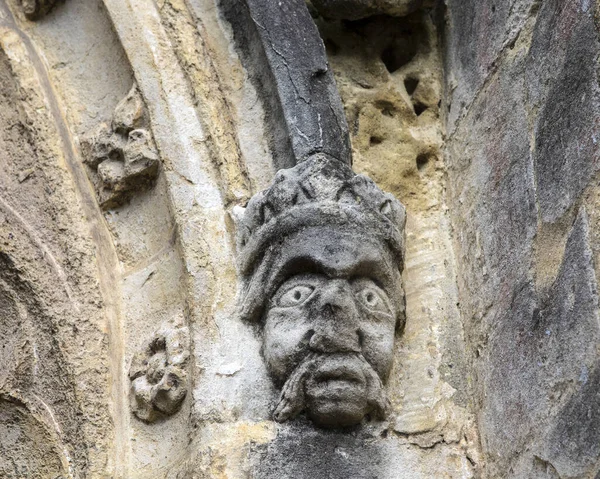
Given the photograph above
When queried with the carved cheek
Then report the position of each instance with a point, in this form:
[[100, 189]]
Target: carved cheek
[[284, 339]]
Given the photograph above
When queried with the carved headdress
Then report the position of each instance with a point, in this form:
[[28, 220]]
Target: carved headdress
[[312, 214]]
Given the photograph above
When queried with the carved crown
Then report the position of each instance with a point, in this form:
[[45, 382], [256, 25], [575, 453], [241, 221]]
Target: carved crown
[[321, 191]]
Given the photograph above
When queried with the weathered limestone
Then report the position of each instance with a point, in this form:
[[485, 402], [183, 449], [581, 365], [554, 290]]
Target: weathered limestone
[[469, 351], [158, 375], [36, 9], [55, 407]]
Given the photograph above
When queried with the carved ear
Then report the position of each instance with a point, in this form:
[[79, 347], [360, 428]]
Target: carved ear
[[266, 212], [386, 208]]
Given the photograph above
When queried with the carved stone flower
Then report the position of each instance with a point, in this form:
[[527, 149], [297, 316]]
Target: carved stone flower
[[158, 375]]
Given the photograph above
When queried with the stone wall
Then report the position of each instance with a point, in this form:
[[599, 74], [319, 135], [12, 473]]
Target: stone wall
[[132, 136], [522, 101]]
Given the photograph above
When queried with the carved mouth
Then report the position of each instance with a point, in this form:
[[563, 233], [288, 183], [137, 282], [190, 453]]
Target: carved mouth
[[335, 374], [337, 377]]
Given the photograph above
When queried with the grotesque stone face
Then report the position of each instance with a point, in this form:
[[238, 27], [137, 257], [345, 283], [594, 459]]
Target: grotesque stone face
[[325, 282], [338, 332]]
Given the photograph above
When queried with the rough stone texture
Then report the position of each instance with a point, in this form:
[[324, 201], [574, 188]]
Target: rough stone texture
[[522, 162], [286, 57], [55, 400], [514, 194], [478, 32], [158, 375], [563, 89]]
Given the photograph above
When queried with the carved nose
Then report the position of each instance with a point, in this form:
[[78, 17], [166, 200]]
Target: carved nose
[[335, 342], [336, 325]]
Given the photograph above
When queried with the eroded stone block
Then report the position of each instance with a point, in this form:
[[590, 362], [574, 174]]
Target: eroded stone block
[[35, 9]]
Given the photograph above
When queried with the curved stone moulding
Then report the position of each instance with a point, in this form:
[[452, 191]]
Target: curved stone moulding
[[29, 393]]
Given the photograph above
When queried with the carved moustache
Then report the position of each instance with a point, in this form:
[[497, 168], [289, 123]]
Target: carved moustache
[[292, 400]]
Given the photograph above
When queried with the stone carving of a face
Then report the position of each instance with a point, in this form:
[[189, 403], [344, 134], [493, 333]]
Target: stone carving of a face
[[332, 300]]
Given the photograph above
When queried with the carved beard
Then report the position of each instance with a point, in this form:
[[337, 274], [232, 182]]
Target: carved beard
[[293, 399]]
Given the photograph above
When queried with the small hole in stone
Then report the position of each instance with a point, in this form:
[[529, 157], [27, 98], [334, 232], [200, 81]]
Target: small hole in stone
[[375, 140], [419, 108], [387, 108], [297, 295], [493, 8], [422, 161], [361, 337], [394, 57], [331, 47], [411, 84]]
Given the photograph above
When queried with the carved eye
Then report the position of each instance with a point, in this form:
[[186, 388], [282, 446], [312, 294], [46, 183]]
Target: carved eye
[[372, 299], [295, 296]]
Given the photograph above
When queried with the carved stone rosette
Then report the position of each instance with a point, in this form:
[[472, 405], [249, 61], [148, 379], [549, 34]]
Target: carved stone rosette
[[122, 157], [35, 9], [321, 254], [158, 375]]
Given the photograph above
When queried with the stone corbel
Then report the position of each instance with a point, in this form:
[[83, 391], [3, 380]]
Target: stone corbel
[[321, 252]]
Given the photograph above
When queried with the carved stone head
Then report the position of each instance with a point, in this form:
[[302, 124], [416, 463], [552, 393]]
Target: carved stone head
[[321, 257]]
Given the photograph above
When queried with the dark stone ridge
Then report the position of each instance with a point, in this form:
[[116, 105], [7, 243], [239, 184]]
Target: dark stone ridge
[[357, 9], [562, 82], [285, 57]]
